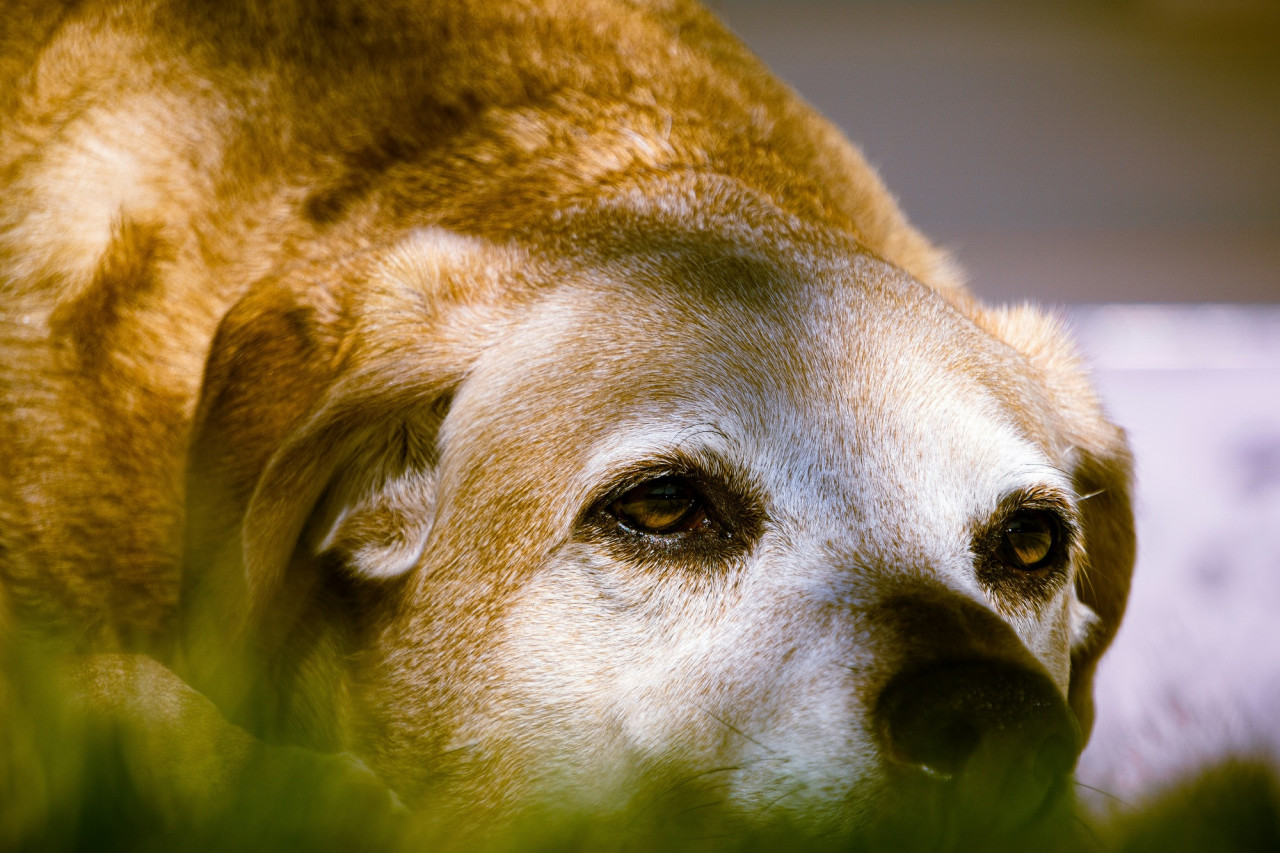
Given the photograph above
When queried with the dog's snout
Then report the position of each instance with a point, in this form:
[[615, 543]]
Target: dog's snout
[[998, 736]]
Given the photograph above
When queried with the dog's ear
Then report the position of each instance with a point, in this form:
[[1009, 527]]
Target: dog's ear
[[1096, 454], [311, 477]]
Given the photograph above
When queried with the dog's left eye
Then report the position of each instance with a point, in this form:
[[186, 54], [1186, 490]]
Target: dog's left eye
[[662, 506], [1028, 539]]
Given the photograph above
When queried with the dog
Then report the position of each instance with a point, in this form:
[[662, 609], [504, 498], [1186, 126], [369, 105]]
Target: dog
[[540, 402]]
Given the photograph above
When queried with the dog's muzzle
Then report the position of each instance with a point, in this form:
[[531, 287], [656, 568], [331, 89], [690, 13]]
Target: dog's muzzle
[[994, 742]]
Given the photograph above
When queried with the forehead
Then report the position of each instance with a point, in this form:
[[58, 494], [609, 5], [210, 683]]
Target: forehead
[[844, 383]]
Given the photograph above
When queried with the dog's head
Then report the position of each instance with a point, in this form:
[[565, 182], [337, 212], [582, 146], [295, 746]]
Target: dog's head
[[720, 503]]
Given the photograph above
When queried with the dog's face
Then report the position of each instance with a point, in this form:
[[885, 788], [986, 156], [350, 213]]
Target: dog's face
[[740, 514]]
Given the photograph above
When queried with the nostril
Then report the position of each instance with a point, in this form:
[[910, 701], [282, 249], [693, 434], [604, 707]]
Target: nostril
[[1000, 736], [928, 737]]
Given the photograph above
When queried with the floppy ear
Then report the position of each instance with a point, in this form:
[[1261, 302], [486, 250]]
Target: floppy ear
[[1097, 455], [311, 477]]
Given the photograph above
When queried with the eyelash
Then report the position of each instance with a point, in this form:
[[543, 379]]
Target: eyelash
[[730, 521]]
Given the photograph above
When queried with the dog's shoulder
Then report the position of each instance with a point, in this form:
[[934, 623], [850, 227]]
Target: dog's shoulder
[[305, 115]]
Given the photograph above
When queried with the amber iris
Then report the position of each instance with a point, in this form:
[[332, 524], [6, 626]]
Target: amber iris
[[662, 506], [1029, 538]]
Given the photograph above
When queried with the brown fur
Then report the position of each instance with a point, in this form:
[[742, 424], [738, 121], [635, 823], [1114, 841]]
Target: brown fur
[[252, 255]]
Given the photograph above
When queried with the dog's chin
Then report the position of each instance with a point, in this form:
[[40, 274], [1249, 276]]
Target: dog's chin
[[898, 810], [912, 815], [920, 813]]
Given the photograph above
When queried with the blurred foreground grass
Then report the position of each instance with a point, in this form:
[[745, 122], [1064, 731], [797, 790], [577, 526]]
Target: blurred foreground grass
[[74, 778]]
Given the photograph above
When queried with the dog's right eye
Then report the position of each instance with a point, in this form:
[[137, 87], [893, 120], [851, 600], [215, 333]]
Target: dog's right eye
[[662, 506], [1028, 540], [670, 512]]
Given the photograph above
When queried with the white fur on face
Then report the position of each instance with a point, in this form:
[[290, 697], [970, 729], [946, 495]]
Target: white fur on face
[[874, 453]]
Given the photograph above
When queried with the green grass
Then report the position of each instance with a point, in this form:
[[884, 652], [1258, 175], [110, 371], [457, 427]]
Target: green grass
[[72, 778]]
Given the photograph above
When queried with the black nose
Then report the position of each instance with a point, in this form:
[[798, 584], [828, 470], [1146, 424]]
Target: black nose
[[998, 736]]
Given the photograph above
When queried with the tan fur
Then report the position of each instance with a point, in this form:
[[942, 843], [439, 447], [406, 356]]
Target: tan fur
[[331, 315]]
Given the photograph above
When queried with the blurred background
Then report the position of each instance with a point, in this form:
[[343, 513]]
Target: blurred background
[[1119, 159], [1079, 151]]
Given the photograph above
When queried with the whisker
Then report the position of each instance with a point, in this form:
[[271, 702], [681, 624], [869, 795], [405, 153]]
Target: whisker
[[1082, 573], [697, 776], [731, 727], [1106, 794], [1049, 466], [769, 805], [656, 799], [1089, 832], [709, 804]]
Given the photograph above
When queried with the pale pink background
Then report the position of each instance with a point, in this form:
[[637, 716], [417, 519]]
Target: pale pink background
[[1195, 671]]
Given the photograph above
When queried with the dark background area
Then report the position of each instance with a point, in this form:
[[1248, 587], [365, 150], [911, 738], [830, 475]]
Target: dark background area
[[1066, 151]]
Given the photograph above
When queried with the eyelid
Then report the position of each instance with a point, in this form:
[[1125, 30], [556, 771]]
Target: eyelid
[[710, 473], [1044, 499], [733, 504], [629, 479]]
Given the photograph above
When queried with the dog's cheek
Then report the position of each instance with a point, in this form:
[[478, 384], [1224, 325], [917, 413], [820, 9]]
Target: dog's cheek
[[626, 682], [595, 689], [1051, 643], [599, 680]]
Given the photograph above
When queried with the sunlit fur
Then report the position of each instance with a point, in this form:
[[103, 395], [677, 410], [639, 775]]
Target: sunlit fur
[[332, 320]]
